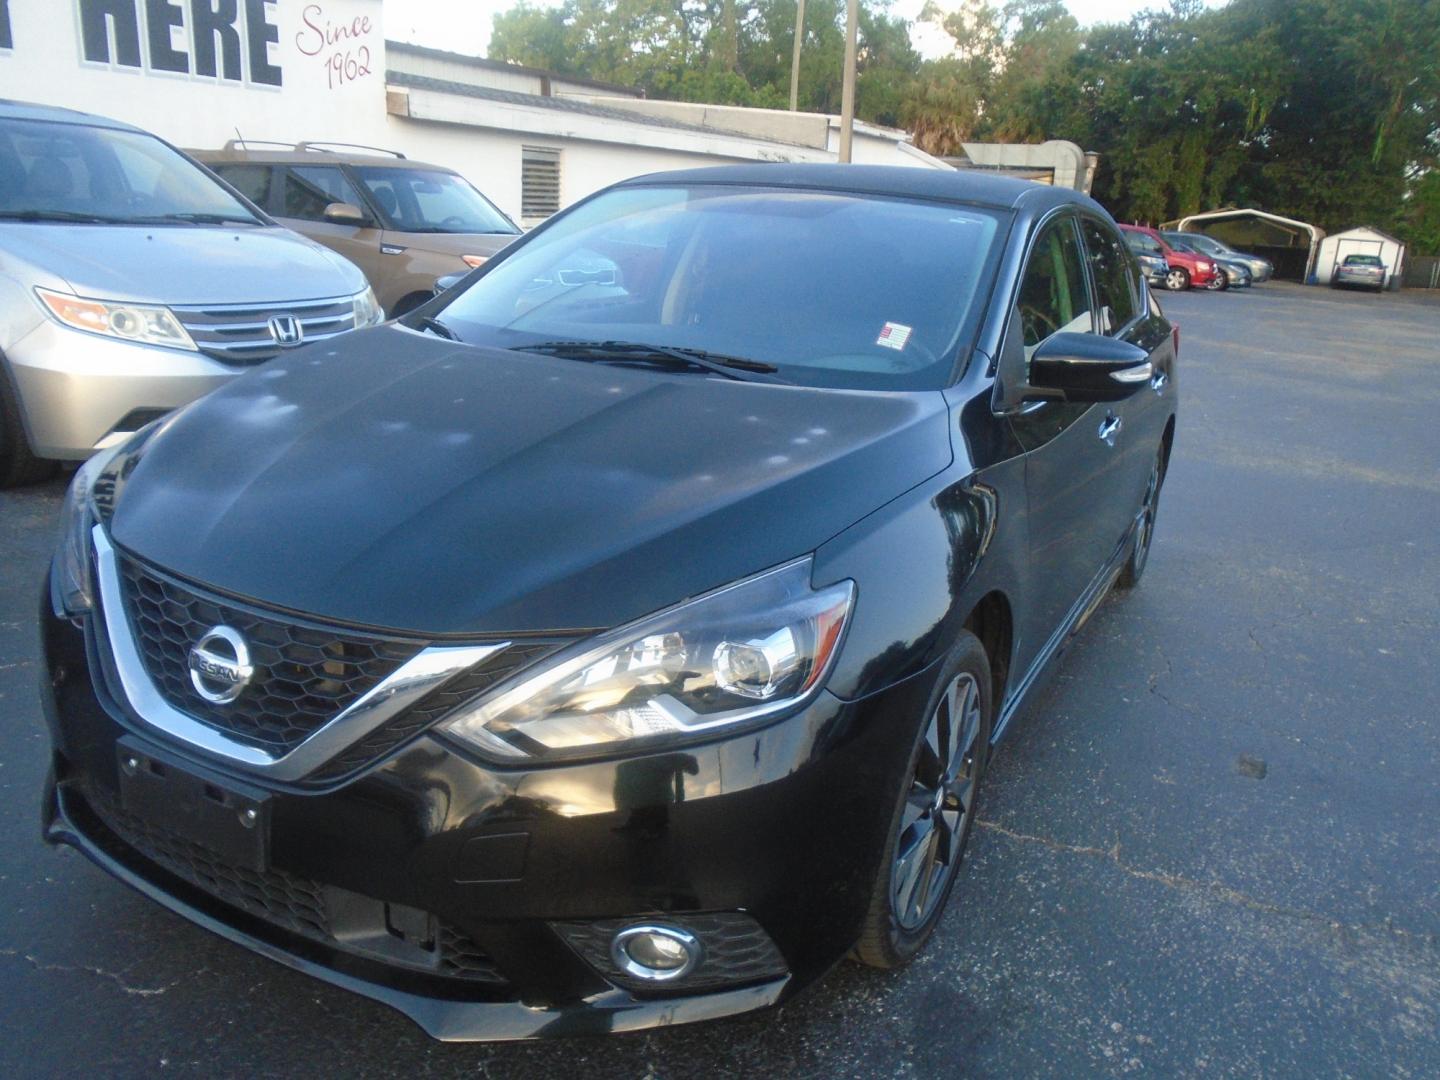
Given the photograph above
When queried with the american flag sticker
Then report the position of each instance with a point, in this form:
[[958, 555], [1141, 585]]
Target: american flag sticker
[[893, 335]]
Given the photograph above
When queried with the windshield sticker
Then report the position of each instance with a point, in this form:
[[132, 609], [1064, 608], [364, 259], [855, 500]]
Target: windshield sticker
[[893, 335]]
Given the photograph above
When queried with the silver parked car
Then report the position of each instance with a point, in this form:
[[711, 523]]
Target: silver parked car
[[132, 282], [1258, 268], [1361, 272]]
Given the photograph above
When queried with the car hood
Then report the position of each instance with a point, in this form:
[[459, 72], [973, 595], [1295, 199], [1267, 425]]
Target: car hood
[[186, 264], [396, 480]]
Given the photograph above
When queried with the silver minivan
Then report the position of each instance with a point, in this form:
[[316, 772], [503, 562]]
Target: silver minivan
[[132, 282]]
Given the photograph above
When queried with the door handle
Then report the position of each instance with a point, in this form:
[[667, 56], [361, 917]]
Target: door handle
[[1109, 428], [1158, 381]]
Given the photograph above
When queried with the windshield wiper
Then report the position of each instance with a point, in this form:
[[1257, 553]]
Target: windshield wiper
[[192, 218], [61, 215], [732, 367], [438, 328]]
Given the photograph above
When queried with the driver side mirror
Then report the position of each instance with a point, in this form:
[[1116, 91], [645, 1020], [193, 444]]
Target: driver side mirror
[[344, 213], [1088, 367]]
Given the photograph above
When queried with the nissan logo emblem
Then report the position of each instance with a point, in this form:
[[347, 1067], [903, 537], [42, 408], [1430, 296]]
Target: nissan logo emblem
[[286, 330], [220, 665]]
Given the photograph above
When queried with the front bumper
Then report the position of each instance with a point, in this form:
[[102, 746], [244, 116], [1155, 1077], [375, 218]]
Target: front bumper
[[779, 830], [79, 392]]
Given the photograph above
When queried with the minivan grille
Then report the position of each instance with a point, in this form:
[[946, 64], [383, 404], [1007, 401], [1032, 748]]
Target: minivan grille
[[304, 674], [241, 334]]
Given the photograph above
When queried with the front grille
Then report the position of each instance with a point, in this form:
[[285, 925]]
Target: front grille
[[241, 335], [304, 674], [279, 898], [420, 716], [734, 950]]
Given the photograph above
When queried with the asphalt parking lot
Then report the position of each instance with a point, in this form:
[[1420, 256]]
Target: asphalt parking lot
[[1210, 848]]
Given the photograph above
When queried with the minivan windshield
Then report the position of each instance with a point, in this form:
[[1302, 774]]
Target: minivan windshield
[[430, 201], [826, 288], [74, 172]]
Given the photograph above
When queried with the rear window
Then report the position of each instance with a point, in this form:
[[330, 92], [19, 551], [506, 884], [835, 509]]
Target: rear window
[[1362, 260]]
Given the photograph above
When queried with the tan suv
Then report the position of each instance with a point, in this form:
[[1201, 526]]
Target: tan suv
[[403, 223]]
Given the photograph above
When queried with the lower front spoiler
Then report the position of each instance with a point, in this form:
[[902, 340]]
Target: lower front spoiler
[[447, 1019]]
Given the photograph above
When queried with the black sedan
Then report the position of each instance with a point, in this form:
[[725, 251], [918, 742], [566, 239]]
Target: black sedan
[[619, 639]]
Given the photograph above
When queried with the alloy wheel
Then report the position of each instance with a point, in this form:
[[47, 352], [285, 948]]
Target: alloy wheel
[[1148, 508], [1176, 280], [939, 806]]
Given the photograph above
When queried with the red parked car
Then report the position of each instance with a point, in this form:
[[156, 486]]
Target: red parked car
[[1187, 268]]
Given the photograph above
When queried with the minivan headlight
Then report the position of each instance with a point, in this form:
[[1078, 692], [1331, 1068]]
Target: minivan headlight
[[726, 659], [145, 324], [367, 309]]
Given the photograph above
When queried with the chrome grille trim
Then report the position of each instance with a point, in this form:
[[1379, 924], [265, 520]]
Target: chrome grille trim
[[240, 333], [416, 678]]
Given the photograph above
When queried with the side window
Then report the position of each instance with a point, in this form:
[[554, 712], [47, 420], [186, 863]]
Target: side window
[[1115, 276], [311, 188], [1052, 293], [252, 181]]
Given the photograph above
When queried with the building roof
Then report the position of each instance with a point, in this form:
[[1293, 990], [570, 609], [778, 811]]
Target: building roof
[[557, 104], [953, 185], [503, 65], [1372, 230]]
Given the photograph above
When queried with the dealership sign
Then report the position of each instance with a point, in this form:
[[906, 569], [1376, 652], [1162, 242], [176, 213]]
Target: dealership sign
[[198, 71], [234, 41]]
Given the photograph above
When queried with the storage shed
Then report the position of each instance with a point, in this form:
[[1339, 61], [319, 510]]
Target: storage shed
[[1361, 241]]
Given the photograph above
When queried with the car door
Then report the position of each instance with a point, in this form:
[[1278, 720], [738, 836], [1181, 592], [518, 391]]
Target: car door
[[1125, 313], [1072, 452], [304, 193]]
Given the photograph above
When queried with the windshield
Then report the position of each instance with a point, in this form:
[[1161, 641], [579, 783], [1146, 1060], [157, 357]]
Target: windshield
[[1204, 244], [1362, 260], [1142, 243], [65, 172], [833, 289], [429, 201]]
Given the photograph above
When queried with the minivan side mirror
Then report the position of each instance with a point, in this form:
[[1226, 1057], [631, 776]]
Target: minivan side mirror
[[1088, 367], [344, 213]]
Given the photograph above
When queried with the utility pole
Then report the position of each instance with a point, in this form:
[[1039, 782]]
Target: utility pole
[[795, 63], [847, 86]]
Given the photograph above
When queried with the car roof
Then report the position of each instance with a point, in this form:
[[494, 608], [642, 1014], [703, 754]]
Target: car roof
[[26, 110], [951, 185], [379, 159]]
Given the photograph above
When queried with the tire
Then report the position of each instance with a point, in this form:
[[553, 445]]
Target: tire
[[1219, 281], [17, 464], [935, 806], [408, 303], [1177, 279], [1134, 567]]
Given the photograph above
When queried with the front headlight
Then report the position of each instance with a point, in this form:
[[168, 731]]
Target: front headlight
[[70, 569], [144, 324], [727, 659], [1201, 264], [91, 499], [367, 309]]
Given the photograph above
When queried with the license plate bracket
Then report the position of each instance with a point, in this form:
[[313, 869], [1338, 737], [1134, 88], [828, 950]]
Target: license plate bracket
[[231, 820]]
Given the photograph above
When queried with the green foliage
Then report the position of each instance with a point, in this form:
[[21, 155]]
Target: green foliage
[[1325, 110]]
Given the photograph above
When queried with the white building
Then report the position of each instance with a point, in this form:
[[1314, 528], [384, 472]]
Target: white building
[[321, 70], [1361, 241]]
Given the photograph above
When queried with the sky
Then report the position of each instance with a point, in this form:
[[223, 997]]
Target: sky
[[463, 26]]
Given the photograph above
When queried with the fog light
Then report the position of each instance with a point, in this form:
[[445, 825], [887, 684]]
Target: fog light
[[656, 953]]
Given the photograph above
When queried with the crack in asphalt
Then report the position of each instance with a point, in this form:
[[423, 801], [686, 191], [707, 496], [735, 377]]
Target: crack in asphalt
[[1211, 888], [118, 979]]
